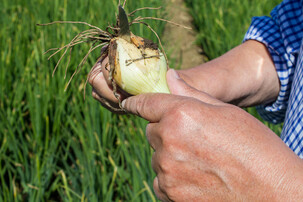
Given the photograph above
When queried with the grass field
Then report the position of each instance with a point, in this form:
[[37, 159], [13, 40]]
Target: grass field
[[56, 146]]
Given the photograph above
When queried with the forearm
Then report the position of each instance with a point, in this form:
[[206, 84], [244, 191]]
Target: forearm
[[244, 76]]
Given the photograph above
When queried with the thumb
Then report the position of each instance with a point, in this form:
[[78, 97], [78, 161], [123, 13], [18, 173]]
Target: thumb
[[178, 86], [152, 106]]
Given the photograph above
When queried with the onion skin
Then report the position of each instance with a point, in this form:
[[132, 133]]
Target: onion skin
[[138, 66]]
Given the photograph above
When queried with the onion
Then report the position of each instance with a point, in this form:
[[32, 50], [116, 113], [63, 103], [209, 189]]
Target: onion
[[138, 66]]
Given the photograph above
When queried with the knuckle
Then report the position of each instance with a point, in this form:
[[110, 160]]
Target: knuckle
[[165, 165], [140, 105], [181, 110], [94, 72], [157, 189], [162, 164], [154, 162], [94, 94], [166, 135], [162, 130], [91, 79], [148, 132], [167, 141], [166, 185]]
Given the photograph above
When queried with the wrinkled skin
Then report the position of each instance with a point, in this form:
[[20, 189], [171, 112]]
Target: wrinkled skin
[[208, 150]]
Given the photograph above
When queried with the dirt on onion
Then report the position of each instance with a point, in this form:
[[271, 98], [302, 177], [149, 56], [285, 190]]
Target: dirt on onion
[[108, 40]]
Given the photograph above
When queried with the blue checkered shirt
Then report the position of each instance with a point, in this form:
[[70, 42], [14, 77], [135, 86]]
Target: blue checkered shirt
[[282, 33]]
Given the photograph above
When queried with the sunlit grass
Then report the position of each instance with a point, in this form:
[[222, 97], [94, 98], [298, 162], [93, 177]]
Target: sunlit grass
[[54, 144]]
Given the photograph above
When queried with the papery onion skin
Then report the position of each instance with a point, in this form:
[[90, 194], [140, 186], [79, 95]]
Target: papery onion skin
[[139, 66]]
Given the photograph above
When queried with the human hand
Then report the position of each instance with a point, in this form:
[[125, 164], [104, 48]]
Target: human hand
[[102, 88], [206, 150], [102, 85]]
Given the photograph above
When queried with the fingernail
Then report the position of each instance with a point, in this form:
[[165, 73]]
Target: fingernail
[[123, 103], [175, 73]]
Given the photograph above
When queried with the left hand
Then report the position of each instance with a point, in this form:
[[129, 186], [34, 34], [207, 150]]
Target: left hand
[[206, 150], [102, 89]]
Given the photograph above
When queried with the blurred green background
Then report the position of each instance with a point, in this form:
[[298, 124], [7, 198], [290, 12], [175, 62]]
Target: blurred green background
[[56, 146]]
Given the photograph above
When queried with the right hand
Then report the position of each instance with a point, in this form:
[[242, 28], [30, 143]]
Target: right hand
[[207, 150]]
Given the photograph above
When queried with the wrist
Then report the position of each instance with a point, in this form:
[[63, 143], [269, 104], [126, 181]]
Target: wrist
[[206, 78], [244, 76]]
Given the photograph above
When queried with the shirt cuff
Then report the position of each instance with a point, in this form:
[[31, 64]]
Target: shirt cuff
[[265, 30]]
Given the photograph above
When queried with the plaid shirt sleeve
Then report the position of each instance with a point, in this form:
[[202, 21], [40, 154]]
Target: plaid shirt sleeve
[[281, 34]]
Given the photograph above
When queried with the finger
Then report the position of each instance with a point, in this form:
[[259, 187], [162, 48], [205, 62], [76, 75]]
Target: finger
[[105, 68], [160, 195], [152, 107], [100, 85], [104, 51], [97, 68], [157, 162], [111, 106], [152, 135], [178, 86], [154, 163]]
